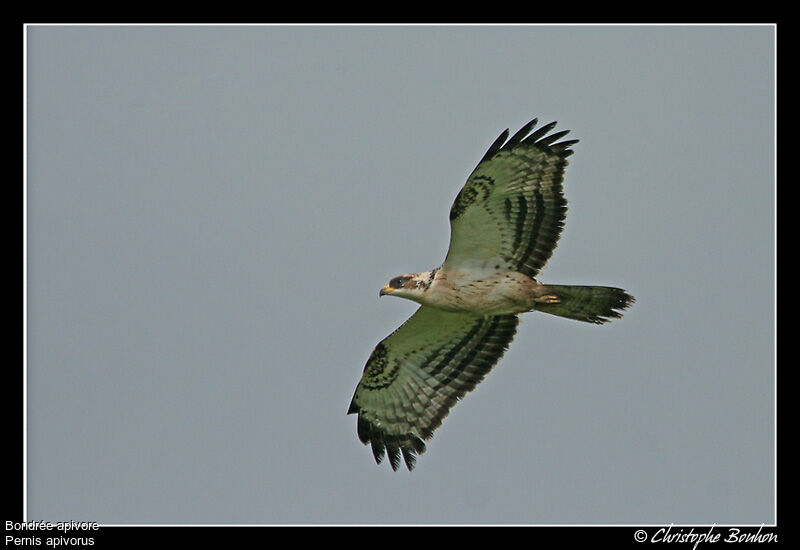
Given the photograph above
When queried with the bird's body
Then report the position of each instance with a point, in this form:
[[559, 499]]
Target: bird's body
[[457, 291], [505, 223]]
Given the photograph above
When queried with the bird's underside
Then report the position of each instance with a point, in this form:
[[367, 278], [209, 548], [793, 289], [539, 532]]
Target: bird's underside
[[505, 223], [505, 293]]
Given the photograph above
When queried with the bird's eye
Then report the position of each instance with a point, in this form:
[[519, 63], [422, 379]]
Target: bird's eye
[[397, 282]]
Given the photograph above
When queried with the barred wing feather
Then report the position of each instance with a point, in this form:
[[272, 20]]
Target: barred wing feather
[[417, 374], [510, 213]]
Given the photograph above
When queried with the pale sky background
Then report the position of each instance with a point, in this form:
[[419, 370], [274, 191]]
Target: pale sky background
[[212, 211]]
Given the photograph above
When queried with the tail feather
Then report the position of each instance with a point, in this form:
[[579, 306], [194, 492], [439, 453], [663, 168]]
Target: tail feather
[[592, 304]]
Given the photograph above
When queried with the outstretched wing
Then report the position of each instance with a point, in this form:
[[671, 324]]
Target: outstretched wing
[[510, 213], [416, 374]]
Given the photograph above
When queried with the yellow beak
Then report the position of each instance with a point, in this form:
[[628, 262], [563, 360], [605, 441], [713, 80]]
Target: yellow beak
[[386, 290]]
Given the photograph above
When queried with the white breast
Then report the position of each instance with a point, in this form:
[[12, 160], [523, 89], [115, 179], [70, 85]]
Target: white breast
[[489, 294]]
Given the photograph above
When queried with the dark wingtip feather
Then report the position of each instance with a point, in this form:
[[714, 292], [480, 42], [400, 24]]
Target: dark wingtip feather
[[547, 140], [562, 147], [539, 138], [547, 143], [534, 137], [393, 452], [520, 135], [409, 458], [496, 146], [564, 144], [377, 450], [407, 446], [362, 428]]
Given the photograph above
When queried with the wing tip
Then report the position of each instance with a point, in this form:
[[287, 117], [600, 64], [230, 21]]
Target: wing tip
[[496, 146], [406, 447], [539, 138]]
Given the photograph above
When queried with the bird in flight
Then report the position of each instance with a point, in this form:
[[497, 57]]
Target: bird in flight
[[504, 225]]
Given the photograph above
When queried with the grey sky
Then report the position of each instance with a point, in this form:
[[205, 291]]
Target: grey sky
[[212, 211]]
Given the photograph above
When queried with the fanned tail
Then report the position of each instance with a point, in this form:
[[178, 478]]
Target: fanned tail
[[591, 304]]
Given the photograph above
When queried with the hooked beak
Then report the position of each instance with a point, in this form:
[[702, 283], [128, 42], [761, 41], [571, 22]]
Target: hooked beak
[[385, 290]]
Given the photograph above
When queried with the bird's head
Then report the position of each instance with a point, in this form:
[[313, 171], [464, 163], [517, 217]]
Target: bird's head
[[410, 286]]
